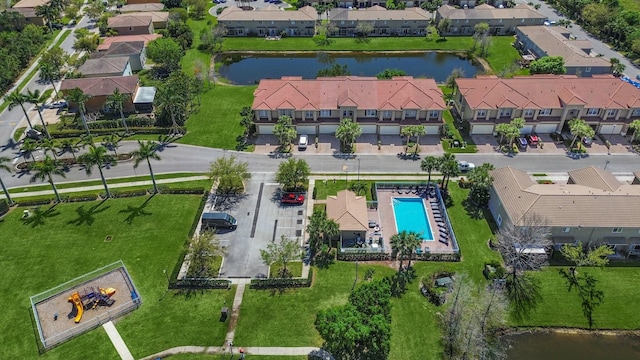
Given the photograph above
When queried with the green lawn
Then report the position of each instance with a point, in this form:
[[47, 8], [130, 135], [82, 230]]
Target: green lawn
[[68, 241], [217, 124], [197, 26], [631, 5], [502, 54]]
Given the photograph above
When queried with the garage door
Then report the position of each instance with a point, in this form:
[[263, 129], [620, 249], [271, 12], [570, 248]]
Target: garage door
[[610, 129], [306, 129], [328, 129], [265, 129], [482, 129], [546, 128], [368, 129], [527, 129], [432, 129], [390, 130]]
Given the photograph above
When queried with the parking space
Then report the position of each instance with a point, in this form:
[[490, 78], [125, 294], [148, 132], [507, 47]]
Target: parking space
[[261, 219]]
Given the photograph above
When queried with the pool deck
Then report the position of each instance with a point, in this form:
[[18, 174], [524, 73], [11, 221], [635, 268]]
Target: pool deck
[[385, 218]]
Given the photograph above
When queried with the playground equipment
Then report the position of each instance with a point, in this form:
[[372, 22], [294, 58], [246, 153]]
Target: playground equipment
[[90, 301]]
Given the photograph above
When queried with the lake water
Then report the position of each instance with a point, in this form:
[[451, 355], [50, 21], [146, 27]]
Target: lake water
[[434, 65], [572, 347]]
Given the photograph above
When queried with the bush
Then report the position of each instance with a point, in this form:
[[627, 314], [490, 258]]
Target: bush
[[193, 191], [35, 202], [315, 192], [262, 284], [493, 270], [196, 283], [80, 198], [99, 132], [464, 183], [438, 257], [364, 257], [196, 220], [128, 193], [4, 206]]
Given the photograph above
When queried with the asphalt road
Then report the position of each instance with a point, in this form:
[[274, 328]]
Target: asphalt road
[[187, 158]]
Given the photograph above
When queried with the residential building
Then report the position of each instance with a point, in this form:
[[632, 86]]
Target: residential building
[[100, 88], [108, 41], [469, 4], [269, 21], [502, 21], [317, 106], [131, 2], [108, 66], [131, 25], [28, 9], [409, 22], [593, 207], [158, 18], [541, 41], [547, 102], [349, 211], [361, 4], [142, 7], [135, 50]]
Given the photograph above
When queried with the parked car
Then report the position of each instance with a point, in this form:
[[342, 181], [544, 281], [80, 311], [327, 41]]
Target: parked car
[[58, 104], [465, 165], [292, 199], [533, 139], [522, 142], [218, 220], [56, 26], [303, 141], [587, 141], [34, 134]]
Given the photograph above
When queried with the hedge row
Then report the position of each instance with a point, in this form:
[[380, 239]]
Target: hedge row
[[35, 202], [80, 198], [128, 193], [190, 191], [196, 220], [262, 284], [4, 206], [364, 257], [99, 132], [438, 257], [200, 284], [131, 122]]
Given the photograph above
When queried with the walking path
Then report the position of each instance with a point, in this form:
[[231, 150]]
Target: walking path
[[117, 341], [235, 313], [273, 351]]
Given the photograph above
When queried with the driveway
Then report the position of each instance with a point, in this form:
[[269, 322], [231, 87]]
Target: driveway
[[261, 219], [259, 4]]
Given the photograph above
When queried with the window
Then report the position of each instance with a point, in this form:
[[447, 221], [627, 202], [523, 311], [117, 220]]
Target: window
[[264, 113], [522, 20], [466, 21], [566, 229], [505, 112], [341, 22], [528, 113], [288, 113], [499, 220], [271, 22], [434, 114], [481, 113], [635, 112], [616, 230], [293, 22], [612, 113], [308, 114], [386, 114], [370, 113], [592, 112], [410, 113], [545, 112], [587, 69], [325, 113]]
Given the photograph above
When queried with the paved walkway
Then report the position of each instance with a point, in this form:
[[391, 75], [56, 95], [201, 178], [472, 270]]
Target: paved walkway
[[273, 351], [117, 341]]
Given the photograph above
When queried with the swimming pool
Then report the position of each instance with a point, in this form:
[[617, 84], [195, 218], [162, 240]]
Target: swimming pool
[[411, 215]]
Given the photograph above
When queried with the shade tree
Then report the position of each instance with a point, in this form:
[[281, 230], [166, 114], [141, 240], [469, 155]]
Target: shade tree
[[285, 131], [347, 133], [282, 253], [293, 174], [229, 174]]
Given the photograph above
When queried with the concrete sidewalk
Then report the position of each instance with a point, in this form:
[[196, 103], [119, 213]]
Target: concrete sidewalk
[[117, 341]]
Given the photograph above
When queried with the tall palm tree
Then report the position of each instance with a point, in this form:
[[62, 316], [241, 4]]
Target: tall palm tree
[[50, 74], [29, 147], [429, 164], [49, 13], [69, 145], [112, 142], [44, 171], [580, 130], [80, 98], [413, 242], [449, 168], [320, 229], [49, 145], [347, 132], [116, 101], [169, 99], [3, 166], [148, 150], [15, 99], [399, 246], [36, 98], [97, 156]]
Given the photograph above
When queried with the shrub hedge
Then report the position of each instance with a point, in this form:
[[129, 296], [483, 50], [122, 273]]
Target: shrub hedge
[[4, 206], [79, 198], [128, 193], [196, 220], [34, 202], [193, 191], [364, 257], [262, 284], [200, 283], [100, 132]]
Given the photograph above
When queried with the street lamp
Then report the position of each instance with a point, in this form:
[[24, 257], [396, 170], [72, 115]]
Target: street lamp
[[345, 168]]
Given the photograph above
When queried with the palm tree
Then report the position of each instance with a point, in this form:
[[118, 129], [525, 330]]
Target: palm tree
[[429, 164], [167, 98], [347, 132], [579, 129], [147, 151], [49, 13], [320, 230], [49, 145], [50, 74], [112, 142], [413, 131], [635, 126], [617, 68], [15, 99], [69, 145], [36, 98], [45, 169], [449, 168], [97, 156], [116, 101], [80, 98], [29, 147], [399, 246], [3, 166], [413, 242]]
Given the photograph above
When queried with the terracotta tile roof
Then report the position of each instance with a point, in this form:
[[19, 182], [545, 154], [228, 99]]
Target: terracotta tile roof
[[234, 13], [127, 38], [569, 205], [594, 177], [30, 3], [549, 91], [378, 13], [105, 65], [487, 12], [557, 43], [399, 93], [102, 86], [348, 210], [142, 7], [129, 21], [156, 16], [125, 48]]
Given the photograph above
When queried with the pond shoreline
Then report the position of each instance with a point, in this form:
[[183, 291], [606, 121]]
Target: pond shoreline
[[569, 331]]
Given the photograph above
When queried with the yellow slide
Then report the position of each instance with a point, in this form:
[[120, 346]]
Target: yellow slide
[[75, 297]]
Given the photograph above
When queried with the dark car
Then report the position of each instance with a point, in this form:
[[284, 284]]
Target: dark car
[[587, 141], [523, 143], [57, 26], [34, 134], [292, 199]]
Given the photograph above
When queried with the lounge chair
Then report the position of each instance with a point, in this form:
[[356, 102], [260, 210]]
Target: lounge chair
[[446, 242], [435, 211], [437, 217], [441, 225], [408, 190]]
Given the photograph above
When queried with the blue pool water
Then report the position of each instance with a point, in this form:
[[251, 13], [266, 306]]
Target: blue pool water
[[411, 215]]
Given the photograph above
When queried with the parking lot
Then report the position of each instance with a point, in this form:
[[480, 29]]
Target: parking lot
[[261, 219]]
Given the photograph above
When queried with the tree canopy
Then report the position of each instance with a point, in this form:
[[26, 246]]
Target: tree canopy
[[293, 174], [548, 65], [230, 174]]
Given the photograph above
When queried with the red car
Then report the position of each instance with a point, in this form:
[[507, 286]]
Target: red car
[[292, 198]]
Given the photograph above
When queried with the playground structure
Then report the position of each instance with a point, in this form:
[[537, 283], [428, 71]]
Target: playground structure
[[89, 301], [91, 304]]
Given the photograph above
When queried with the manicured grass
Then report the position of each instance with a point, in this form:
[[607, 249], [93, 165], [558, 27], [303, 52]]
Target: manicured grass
[[502, 54], [631, 5], [217, 124], [197, 26], [68, 241], [470, 147], [560, 308], [236, 356], [336, 183], [294, 267]]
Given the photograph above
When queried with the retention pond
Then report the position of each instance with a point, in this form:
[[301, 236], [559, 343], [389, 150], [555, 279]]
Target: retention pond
[[557, 346]]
